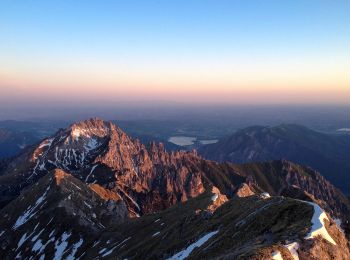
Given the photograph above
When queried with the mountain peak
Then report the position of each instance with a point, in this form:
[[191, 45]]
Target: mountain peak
[[90, 127], [91, 122]]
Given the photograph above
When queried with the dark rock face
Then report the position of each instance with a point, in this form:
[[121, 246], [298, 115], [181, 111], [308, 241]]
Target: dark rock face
[[315, 184]]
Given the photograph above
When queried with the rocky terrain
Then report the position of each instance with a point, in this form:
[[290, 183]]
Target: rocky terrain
[[91, 191]]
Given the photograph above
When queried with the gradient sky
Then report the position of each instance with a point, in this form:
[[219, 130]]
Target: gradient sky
[[228, 52]]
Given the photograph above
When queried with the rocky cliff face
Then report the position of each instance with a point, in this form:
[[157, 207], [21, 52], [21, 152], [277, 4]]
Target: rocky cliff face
[[96, 176], [147, 178]]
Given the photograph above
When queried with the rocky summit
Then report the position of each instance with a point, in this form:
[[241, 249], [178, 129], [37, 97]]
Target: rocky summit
[[92, 192]]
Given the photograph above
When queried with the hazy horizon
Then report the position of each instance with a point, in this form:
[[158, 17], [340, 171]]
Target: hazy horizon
[[167, 111], [63, 53]]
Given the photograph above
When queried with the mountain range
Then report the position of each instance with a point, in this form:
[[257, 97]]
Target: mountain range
[[326, 153], [91, 191]]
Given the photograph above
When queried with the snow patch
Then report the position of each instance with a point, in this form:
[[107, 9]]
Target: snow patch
[[264, 195], [186, 252], [22, 240], [37, 236], [318, 226], [51, 233], [75, 249], [91, 171], [91, 144], [132, 200], [214, 197], [156, 234], [88, 205], [29, 213], [109, 252], [61, 245], [76, 186], [277, 255], [122, 243], [102, 250], [37, 246], [293, 249]]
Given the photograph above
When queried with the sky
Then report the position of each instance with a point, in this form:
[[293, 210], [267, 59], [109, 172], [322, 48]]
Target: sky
[[195, 52]]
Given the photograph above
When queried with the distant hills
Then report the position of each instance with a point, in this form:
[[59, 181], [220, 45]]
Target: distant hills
[[329, 154], [13, 142]]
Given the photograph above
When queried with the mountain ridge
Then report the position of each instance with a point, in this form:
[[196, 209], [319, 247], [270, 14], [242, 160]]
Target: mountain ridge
[[323, 152]]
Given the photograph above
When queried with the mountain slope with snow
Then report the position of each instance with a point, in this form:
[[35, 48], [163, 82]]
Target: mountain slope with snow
[[92, 191]]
